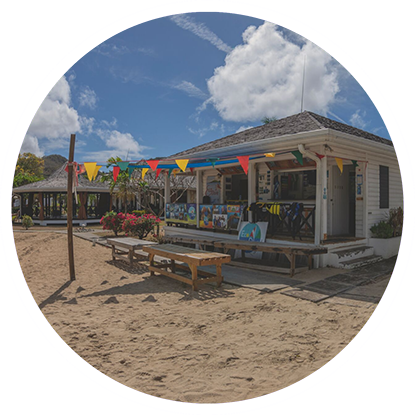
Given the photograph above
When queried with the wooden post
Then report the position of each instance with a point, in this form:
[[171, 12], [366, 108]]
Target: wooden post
[[70, 208]]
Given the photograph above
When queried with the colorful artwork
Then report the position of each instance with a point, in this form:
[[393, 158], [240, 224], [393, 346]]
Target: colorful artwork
[[184, 213], [220, 209], [234, 216], [253, 232], [220, 221], [213, 189], [206, 216]]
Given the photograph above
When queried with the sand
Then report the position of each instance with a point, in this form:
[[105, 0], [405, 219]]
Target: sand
[[154, 335]]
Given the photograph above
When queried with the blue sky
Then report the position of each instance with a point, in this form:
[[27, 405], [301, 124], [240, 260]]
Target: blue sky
[[177, 82]]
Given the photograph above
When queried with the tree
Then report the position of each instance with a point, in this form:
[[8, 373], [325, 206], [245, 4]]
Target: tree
[[29, 169], [267, 120]]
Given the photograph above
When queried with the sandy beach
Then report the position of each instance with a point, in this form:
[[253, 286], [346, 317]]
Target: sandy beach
[[156, 336]]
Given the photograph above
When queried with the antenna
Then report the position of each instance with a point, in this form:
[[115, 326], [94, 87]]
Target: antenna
[[128, 152], [302, 91]]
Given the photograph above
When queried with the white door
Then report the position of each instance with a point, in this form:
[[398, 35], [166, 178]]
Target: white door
[[340, 201]]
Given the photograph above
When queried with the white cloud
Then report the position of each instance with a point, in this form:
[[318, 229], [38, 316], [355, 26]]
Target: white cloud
[[357, 120], [120, 144], [190, 89], [31, 145], [54, 121], [263, 78], [201, 30], [88, 98], [243, 128]]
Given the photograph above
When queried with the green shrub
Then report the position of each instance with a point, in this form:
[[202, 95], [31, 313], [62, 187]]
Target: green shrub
[[396, 220], [27, 222], [382, 230], [139, 226], [139, 212], [112, 221]]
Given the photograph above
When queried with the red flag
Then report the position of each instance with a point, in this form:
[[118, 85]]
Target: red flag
[[192, 169], [244, 161], [158, 172], [153, 164], [115, 172], [320, 156]]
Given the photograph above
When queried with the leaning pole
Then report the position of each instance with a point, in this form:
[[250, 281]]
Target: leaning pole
[[69, 209]]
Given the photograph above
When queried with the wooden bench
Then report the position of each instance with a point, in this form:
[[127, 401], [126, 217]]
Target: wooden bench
[[289, 252], [203, 241], [192, 257], [131, 245]]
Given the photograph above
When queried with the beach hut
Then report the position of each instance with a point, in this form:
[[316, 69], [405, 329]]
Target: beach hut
[[312, 180], [46, 201]]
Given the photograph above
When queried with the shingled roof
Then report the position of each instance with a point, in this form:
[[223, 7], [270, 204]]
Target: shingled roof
[[303, 122], [58, 182]]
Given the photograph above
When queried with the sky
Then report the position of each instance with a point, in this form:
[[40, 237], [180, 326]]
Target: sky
[[180, 81]]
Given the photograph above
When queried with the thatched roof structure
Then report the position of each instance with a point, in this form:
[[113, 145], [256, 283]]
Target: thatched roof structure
[[303, 122], [58, 182]]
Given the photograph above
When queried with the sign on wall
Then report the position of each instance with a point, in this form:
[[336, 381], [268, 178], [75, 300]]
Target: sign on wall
[[253, 232]]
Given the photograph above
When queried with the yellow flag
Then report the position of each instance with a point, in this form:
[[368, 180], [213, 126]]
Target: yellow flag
[[96, 172], [90, 170], [339, 164], [143, 172], [269, 154], [182, 164], [175, 172]]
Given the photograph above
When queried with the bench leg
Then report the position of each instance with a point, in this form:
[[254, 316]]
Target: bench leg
[[292, 268], [194, 276], [219, 274], [131, 256], [151, 260], [310, 262], [113, 252], [172, 265]]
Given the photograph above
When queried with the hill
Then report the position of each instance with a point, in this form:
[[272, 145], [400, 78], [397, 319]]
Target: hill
[[52, 163]]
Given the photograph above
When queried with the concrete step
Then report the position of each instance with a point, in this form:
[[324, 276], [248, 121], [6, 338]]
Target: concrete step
[[346, 254], [360, 262]]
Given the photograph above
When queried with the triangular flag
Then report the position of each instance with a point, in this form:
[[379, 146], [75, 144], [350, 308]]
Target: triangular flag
[[90, 170], [169, 173], [158, 172], [123, 165], [144, 171], [339, 164], [320, 156], [244, 161], [130, 170], [81, 168], [298, 155], [115, 172], [96, 171], [175, 172], [192, 169], [355, 163], [269, 154], [153, 164], [182, 164], [213, 161]]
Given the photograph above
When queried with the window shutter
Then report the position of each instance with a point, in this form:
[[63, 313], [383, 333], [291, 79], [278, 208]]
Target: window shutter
[[384, 187]]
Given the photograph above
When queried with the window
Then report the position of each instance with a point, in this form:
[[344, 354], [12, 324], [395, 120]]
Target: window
[[383, 187], [296, 185]]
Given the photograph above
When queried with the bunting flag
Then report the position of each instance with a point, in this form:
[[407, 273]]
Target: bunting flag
[[153, 164], [143, 172], [81, 168], [169, 173], [339, 162], [175, 172], [90, 170], [158, 173], [96, 172], [130, 170], [115, 172], [320, 156], [269, 154], [212, 161], [192, 169], [355, 163], [299, 156], [244, 162], [123, 165], [182, 164]]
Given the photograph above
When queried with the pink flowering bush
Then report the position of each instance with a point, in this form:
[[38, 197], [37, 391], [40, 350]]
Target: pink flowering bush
[[112, 221], [139, 226]]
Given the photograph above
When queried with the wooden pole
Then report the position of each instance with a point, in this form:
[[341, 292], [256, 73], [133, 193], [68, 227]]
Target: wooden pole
[[69, 214]]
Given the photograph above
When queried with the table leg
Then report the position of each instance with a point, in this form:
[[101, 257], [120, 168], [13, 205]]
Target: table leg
[[194, 276], [113, 252], [151, 260], [131, 256], [172, 265], [310, 262], [292, 268], [219, 274]]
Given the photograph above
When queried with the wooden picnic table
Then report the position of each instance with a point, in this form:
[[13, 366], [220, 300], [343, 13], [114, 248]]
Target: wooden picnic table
[[187, 239], [192, 257], [289, 251], [131, 245]]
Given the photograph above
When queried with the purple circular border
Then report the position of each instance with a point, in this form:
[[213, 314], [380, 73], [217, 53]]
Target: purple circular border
[[362, 336]]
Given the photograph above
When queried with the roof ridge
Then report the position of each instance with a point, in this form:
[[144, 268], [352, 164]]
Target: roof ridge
[[311, 115]]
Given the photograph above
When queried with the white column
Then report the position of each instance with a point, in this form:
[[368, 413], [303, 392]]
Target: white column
[[324, 201], [167, 195], [251, 187], [199, 194], [319, 203]]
